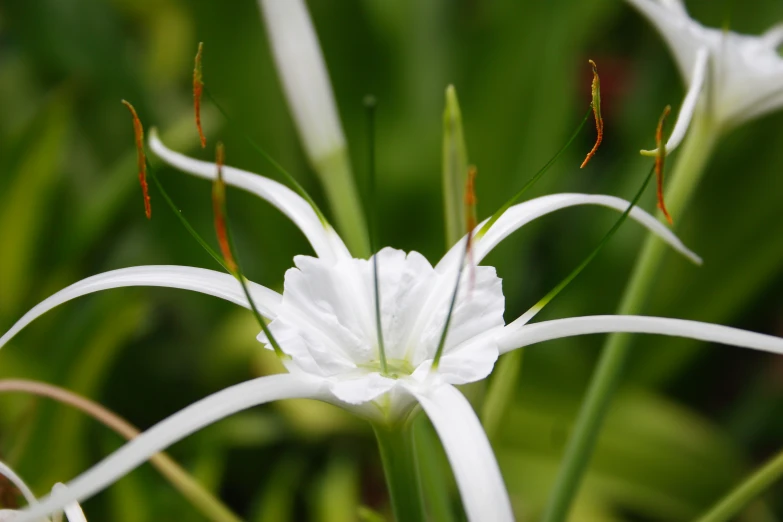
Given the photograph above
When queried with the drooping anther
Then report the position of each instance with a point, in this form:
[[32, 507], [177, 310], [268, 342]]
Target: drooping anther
[[470, 219], [659, 162], [599, 121], [198, 90], [141, 158], [219, 210]]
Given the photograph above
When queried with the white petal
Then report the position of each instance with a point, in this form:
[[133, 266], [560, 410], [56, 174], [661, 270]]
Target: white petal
[[688, 105], [517, 336], [201, 280], [300, 64], [325, 241], [176, 427], [362, 389], [523, 213], [73, 511], [472, 460], [17, 481], [773, 37], [683, 35]]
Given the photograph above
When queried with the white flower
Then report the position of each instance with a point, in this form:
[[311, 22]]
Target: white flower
[[305, 78], [736, 76], [324, 321], [73, 512]]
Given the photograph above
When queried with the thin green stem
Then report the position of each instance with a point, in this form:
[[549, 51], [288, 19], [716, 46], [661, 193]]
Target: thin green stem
[[532, 181], [685, 178], [277, 166], [731, 505], [370, 103], [177, 212], [401, 469], [444, 334]]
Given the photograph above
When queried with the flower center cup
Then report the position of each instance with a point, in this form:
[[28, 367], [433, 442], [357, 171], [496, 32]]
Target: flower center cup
[[327, 323]]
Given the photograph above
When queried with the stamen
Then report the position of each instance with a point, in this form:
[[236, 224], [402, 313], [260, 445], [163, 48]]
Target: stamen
[[9, 494], [141, 158], [227, 246], [599, 121], [198, 90], [370, 103], [527, 316], [538, 175], [659, 162], [470, 199], [219, 210], [264, 154]]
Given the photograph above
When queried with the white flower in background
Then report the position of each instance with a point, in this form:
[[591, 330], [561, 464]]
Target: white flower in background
[[302, 70], [733, 77], [73, 512], [324, 321]]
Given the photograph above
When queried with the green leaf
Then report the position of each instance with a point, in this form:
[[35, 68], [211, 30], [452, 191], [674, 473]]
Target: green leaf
[[455, 168]]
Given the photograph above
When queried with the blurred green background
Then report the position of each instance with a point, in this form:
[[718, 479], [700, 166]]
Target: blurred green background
[[690, 420]]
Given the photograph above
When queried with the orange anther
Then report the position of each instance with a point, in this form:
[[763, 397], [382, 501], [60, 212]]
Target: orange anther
[[599, 121], [198, 90], [141, 159], [219, 210], [659, 160]]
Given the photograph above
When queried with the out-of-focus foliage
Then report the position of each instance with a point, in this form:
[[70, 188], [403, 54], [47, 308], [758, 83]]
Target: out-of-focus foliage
[[691, 419]]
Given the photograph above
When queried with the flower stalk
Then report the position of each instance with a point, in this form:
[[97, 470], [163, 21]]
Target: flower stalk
[[688, 170], [401, 469]]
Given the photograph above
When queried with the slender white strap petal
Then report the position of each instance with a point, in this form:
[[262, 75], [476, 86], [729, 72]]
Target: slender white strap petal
[[302, 70], [73, 511], [523, 213], [517, 335], [176, 427], [201, 280], [324, 240], [688, 105], [477, 473], [773, 37], [7, 472]]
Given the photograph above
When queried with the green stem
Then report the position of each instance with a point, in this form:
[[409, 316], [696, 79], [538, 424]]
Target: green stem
[[693, 157], [400, 467], [337, 180], [753, 486]]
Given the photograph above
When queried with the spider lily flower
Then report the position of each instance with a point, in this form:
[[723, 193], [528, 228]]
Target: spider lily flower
[[325, 324], [732, 77], [73, 512]]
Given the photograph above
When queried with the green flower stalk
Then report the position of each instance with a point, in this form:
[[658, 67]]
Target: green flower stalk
[[731, 78]]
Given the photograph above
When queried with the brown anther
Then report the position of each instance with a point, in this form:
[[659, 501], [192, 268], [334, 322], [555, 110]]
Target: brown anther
[[659, 162], [599, 121], [141, 159], [9, 494], [198, 90], [219, 210]]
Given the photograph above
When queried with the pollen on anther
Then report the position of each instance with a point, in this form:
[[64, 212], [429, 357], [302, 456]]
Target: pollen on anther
[[219, 210], [141, 159], [659, 162], [599, 121], [198, 91]]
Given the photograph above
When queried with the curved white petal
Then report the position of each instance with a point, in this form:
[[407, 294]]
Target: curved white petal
[[201, 280], [176, 427], [516, 335], [325, 241], [302, 70], [523, 213], [478, 476], [773, 37], [10, 474], [73, 511], [688, 105]]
